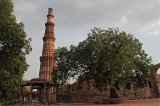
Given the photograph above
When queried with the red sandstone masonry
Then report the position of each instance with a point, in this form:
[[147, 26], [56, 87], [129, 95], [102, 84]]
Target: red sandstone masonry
[[47, 58]]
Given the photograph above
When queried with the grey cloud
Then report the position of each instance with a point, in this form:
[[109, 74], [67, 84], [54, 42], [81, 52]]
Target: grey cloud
[[75, 18], [71, 13]]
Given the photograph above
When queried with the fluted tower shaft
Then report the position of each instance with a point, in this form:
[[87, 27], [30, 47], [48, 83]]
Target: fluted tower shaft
[[47, 58]]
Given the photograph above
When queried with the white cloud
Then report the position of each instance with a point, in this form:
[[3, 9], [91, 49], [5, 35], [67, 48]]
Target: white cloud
[[152, 30]]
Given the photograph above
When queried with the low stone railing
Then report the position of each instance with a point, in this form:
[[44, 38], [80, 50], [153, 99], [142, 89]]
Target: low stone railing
[[113, 100]]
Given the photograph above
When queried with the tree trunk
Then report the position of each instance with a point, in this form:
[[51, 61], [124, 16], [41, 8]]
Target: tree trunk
[[113, 93], [0, 94], [57, 93]]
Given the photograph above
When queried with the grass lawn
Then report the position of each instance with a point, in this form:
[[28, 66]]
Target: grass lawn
[[6, 103]]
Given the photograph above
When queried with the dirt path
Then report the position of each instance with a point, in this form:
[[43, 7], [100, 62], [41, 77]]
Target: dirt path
[[141, 102]]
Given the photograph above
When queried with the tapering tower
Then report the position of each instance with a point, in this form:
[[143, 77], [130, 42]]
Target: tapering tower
[[47, 58]]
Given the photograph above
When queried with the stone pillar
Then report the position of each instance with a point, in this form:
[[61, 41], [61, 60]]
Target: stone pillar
[[20, 96], [44, 94], [48, 96], [41, 95], [30, 94]]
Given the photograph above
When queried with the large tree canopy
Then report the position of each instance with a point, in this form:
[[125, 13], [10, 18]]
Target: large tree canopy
[[107, 56], [14, 46], [114, 57]]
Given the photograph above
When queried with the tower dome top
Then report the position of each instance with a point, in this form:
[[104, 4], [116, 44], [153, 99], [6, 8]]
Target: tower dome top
[[50, 16], [50, 11]]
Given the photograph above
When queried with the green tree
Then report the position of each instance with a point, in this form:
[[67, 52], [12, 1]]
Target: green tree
[[143, 70], [106, 57], [64, 68], [65, 64], [14, 46], [114, 57]]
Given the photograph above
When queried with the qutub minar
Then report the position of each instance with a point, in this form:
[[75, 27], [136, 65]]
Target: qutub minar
[[47, 58], [46, 93]]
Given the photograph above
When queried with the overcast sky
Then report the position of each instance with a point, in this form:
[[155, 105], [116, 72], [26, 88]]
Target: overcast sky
[[75, 18]]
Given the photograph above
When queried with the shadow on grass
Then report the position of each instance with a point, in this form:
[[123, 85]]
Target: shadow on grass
[[6, 102]]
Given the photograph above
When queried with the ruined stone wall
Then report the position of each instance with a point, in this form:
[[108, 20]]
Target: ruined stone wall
[[90, 94], [155, 86], [158, 83]]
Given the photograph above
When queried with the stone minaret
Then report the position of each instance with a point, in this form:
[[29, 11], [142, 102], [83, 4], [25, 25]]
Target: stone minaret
[[47, 58]]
